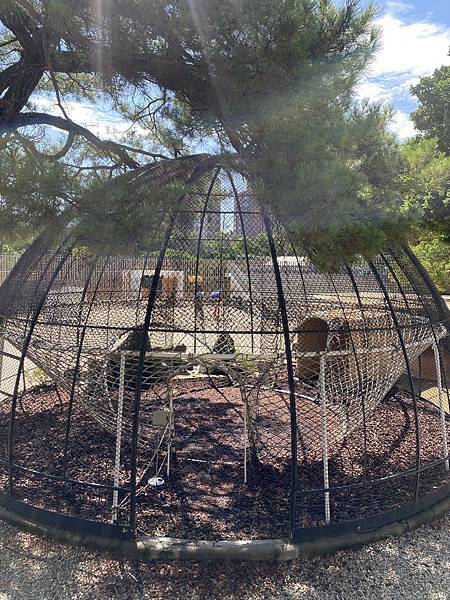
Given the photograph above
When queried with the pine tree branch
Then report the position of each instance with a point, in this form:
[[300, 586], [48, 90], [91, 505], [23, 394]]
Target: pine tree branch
[[111, 148], [31, 148]]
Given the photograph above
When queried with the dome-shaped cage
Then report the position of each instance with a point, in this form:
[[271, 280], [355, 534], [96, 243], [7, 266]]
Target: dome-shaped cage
[[215, 384]]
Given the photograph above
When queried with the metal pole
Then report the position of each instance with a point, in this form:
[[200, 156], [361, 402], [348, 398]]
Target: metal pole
[[355, 353], [247, 260], [398, 328], [441, 405], [2, 348], [198, 171], [140, 370], [80, 342], [245, 436], [323, 404], [290, 371], [26, 344], [430, 316], [118, 437], [170, 426], [197, 257]]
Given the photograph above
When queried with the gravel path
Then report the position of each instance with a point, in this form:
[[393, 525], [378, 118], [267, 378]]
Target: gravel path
[[416, 566]]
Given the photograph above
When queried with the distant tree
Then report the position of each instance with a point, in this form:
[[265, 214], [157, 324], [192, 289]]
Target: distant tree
[[434, 252], [426, 182], [426, 191], [433, 115], [426, 185], [271, 81]]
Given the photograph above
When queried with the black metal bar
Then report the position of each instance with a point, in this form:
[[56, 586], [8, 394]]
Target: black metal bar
[[362, 309], [300, 270], [429, 315], [369, 523], [41, 277], [444, 311], [378, 481], [22, 362], [397, 281], [408, 370], [42, 475], [290, 371], [197, 257], [30, 269], [247, 260], [358, 373], [78, 359], [146, 326], [257, 331], [140, 370]]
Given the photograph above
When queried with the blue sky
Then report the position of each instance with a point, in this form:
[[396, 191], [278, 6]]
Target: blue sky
[[416, 39]]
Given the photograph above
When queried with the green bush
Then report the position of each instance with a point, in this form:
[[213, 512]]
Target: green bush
[[434, 252]]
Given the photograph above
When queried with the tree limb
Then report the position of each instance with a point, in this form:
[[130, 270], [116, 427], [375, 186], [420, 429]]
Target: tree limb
[[38, 154], [28, 119]]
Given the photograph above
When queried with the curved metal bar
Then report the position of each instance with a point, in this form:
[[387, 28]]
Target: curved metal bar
[[140, 370], [199, 242], [429, 315], [29, 269], [41, 278], [362, 309], [300, 270], [444, 311], [144, 267], [290, 370], [358, 374], [197, 172], [238, 204], [427, 311], [397, 281], [22, 362], [78, 358], [408, 370]]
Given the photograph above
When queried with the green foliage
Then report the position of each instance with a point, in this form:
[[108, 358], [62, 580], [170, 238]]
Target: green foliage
[[331, 176], [109, 220], [36, 376], [433, 115], [232, 250], [32, 192], [426, 182], [273, 81], [426, 186], [434, 252]]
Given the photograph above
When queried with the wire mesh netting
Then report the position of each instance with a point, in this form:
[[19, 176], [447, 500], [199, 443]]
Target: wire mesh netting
[[212, 382]]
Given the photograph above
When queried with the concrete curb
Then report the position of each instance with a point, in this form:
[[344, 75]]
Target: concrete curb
[[246, 550]]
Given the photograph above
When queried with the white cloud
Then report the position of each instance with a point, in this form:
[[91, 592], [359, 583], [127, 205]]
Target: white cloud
[[410, 50], [373, 90], [415, 49], [402, 126]]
